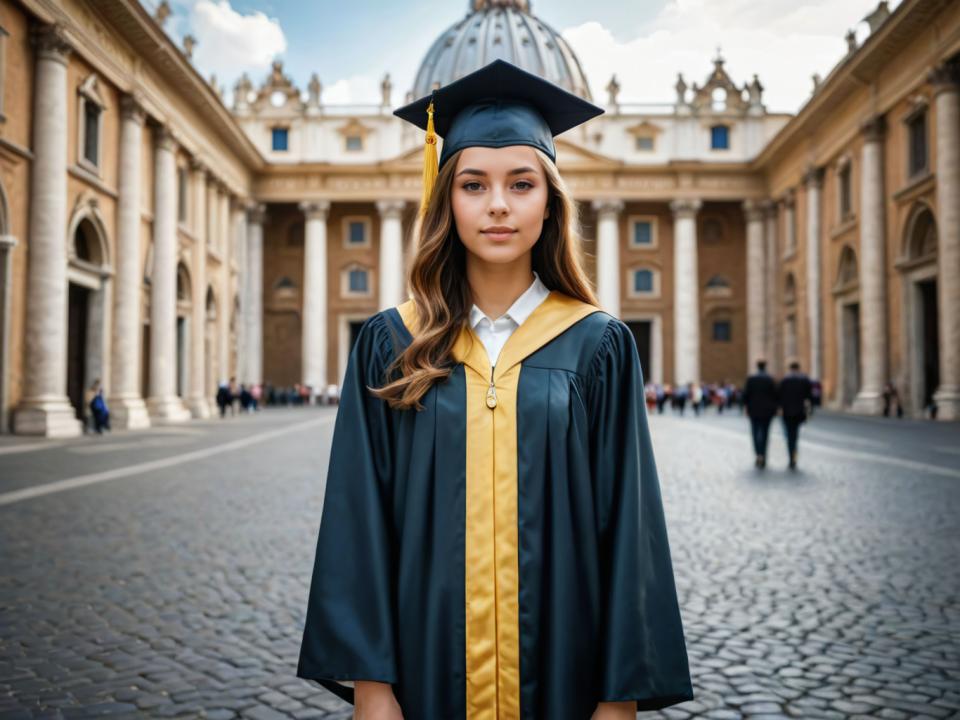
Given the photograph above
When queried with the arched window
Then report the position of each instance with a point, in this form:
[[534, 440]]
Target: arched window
[[921, 239]]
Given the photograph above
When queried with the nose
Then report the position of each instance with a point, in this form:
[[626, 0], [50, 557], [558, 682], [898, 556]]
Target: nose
[[498, 203]]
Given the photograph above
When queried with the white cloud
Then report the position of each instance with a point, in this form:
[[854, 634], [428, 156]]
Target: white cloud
[[783, 41], [229, 43], [356, 89]]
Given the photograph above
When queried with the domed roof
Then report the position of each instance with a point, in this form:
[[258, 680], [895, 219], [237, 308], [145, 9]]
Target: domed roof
[[502, 29]]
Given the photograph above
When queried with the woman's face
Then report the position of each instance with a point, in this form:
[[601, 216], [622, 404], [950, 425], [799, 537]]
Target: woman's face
[[499, 201]]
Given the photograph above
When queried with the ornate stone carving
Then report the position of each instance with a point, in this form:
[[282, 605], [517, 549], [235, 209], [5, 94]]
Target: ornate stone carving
[[132, 109], [315, 209], [874, 128], [685, 207], [813, 177], [51, 43]]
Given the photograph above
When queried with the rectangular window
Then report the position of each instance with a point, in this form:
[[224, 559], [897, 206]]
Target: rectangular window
[[720, 137], [643, 281], [91, 133], [182, 194], [721, 330], [357, 233], [354, 142], [843, 178], [358, 281], [279, 139], [917, 129], [644, 142], [643, 232]]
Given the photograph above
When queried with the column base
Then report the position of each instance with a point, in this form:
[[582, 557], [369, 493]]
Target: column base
[[167, 410], [947, 400], [199, 407], [52, 418], [867, 402], [128, 413]]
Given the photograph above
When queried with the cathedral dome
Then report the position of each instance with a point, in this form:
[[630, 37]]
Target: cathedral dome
[[502, 29]]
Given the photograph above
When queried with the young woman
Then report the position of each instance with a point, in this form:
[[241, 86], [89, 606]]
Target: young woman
[[492, 542]]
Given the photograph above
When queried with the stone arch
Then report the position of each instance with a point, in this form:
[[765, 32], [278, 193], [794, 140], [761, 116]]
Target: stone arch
[[848, 273], [87, 239], [920, 233], [89, 298]]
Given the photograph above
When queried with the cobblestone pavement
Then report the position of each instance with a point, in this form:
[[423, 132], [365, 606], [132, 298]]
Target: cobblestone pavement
[[169, 576]]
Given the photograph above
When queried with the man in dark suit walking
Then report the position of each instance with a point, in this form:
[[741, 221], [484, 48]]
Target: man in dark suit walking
[[795, 392], [760, 401]]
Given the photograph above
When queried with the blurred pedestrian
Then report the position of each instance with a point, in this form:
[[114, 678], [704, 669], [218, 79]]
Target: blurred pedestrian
[[796, 396], [224, 398], [760, 403], [99, 413], [891, 399]]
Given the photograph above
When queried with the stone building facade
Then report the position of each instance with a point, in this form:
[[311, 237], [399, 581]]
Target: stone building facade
[[161, 239]]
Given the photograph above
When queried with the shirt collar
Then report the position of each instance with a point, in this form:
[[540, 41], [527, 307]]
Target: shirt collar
[[521, 308]]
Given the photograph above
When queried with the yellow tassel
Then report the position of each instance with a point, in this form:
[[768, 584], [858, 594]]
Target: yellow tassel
[[429, 161]]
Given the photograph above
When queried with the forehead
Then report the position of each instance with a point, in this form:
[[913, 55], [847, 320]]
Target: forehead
[[501, 159]]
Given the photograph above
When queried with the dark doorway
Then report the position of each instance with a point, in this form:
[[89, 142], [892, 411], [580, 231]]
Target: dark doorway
[[931, 350], [851, 353], [79, 300], [145, 362], [641, 333], [182, 363]]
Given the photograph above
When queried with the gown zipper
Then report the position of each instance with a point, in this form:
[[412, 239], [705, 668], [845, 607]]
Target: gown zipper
[[492, 391]]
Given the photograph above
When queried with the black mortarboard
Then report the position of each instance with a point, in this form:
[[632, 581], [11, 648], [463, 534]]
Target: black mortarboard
[[495, 106]]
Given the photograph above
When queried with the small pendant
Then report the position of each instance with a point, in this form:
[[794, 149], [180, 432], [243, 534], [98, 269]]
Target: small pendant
[[491, 397]]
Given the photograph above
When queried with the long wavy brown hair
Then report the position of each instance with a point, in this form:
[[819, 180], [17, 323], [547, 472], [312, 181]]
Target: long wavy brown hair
[[441, 293]]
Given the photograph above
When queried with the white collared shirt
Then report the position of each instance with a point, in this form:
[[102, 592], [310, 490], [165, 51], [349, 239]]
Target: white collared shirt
[[494, 333]]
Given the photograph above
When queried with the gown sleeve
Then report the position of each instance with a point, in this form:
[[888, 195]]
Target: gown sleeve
[[643, 654], [349, 632]]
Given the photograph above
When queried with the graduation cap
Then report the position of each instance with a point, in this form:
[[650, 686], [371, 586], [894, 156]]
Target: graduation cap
[[495, 106]]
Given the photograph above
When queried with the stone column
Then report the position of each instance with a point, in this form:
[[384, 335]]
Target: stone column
[[127, 409], [238, 212], [756, 283], [686, 292], [254, 314], [946, 82], [223, 320], [771, 268], [45, 409], [314, 349], [164, 404], [213, 372], [873, 269], [197, 396], [608, 254], [392, 276], [814, 183]]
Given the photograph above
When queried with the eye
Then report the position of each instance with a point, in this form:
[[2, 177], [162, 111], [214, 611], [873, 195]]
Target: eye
[[466, 186], [526, 183]]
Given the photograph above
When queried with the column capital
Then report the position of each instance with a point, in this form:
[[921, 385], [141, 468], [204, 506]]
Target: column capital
[[131, 108], [789, 199], [945, 78], [315, 209], [608, 206], [163, 138], [685, 207], [198, 166], [51, 42], [391, 208], [813, 178], [256, 213], [874, 128], [770, 208], [754, 210]]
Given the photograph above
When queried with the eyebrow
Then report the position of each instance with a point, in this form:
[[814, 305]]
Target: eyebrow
[[515, 171]]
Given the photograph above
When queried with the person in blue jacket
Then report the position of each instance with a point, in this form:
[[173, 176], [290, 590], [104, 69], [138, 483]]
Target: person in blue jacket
[[492, 542]]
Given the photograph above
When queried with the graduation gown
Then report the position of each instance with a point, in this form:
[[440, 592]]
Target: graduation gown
[[501, 553]]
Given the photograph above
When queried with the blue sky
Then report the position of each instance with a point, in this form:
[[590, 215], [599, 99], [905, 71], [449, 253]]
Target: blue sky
[[352, 45]]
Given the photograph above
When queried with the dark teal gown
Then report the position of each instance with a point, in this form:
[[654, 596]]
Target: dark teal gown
[[597, 610]]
